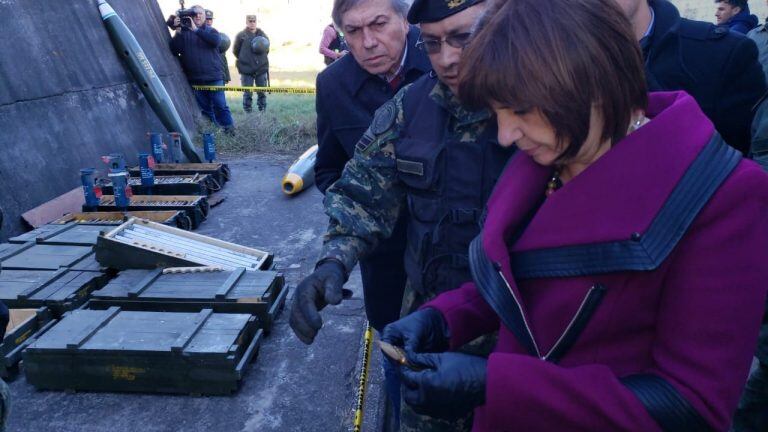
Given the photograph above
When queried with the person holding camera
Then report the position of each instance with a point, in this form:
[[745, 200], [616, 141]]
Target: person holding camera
[[251, 50], [197, 46]]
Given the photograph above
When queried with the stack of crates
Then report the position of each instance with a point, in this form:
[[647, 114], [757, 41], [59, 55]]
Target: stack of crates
[[127, 299]]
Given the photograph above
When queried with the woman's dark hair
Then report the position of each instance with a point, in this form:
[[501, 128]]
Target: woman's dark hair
[[561, 56]]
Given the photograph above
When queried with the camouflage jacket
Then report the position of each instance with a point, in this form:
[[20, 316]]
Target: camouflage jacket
[[364, 204]]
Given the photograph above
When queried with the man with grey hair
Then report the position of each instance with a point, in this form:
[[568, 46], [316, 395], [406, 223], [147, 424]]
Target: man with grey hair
[[383, 59], [196, 44]]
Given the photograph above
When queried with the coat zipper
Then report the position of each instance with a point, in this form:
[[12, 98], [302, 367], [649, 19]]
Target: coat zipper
[[522, 314], [570, 324], [528, 327]]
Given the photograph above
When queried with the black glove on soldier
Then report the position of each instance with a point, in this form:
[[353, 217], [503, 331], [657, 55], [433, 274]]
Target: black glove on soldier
[[321, 288], [422, 331]]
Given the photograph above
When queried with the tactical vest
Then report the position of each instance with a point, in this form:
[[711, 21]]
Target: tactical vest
[[448, 183]]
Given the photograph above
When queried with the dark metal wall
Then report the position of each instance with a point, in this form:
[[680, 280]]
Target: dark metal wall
[[66, 98]]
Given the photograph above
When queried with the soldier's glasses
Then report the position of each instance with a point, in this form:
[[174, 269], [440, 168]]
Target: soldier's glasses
[[433, 46]]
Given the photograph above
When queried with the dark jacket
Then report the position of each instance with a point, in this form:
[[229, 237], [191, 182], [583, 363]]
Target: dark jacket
[[742, 22], [347, 97], [717, 67], [249, 63], [199, 54]]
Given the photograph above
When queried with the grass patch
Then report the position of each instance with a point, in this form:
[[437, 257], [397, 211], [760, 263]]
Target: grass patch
[[287, 126]]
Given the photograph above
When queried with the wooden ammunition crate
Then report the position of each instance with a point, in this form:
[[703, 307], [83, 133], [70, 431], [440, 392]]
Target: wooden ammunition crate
[[192, 289], [218, 171], [174, 218], [197, 184], [140, 244], [33, 256], [195, 207], [60, 290], [135, 351], [23, 325]]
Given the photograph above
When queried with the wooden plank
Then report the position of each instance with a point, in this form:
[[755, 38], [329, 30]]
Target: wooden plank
[[91, 329], [144, 283], [69, 202], [221, 294], [183, 340]]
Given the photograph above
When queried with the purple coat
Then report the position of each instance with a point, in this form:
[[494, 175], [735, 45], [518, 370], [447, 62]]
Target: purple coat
[[681, 261]]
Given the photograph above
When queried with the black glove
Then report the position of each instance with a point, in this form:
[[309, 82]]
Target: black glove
[[453, 384], [422, 331], [321, 288]]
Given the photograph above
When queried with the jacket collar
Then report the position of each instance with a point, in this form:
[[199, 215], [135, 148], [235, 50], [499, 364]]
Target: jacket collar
[[666, 21], [615, 199], [444, 97], [415, 61]]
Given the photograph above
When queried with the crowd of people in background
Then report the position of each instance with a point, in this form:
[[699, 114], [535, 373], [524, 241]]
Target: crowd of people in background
[[612, 266], [202, 49]]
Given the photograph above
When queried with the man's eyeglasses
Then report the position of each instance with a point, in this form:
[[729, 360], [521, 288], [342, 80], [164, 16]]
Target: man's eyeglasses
[[433, 46], [251, 21]]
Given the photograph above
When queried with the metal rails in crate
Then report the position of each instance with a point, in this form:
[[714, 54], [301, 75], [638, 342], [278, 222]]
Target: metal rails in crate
[[175, 218], [141, 244], [197, 184], [218, 171], [195, 207], [163, 352], [195, 288]]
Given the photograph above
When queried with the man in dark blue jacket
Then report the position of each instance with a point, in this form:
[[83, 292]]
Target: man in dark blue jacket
[[735, 15], [383, 58], [717, 67], [197, 46]]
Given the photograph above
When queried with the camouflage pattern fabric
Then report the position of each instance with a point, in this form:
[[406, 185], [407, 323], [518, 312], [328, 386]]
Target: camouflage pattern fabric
[[364, 204]]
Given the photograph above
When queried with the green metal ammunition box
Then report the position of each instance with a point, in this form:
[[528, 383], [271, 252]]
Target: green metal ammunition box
[[163, 352], [60, 290], [196, 288], [20, 334]]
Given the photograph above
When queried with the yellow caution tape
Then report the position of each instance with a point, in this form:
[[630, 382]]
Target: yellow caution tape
[[293, 90], [363, 378]]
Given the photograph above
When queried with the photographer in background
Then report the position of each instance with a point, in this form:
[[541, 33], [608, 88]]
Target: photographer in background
[[197, 46], [251, 50]]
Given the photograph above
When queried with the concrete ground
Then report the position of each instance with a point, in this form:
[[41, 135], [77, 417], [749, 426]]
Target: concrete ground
[[290, 386]]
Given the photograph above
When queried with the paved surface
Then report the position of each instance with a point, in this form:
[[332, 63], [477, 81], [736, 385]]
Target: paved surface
[[289, 387]]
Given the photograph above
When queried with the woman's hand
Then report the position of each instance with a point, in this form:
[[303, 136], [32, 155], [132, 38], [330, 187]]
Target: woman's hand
[[453, 384], [422, 331]]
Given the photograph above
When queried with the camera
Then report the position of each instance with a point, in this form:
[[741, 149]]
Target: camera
[[186, 16]]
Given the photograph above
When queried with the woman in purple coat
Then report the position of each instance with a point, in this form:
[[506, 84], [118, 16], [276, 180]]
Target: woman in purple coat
[[624, 258]]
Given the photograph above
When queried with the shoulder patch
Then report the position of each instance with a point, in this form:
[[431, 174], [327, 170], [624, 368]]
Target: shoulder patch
[[364, 144], [384, 118]]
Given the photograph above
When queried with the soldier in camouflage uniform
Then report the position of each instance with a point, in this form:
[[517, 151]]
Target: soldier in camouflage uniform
[[426, 154]]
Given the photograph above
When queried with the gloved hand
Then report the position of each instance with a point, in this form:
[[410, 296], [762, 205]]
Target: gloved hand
[[422, 331], [453, 384], [321, 288]]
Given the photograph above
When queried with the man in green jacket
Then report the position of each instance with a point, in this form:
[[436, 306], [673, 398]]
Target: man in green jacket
[[252, 63]]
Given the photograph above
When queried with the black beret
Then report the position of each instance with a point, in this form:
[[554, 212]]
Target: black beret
[[427, 11]]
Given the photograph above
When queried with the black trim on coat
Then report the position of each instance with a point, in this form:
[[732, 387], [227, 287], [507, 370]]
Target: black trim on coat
[[665, 404], [640, 252]]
